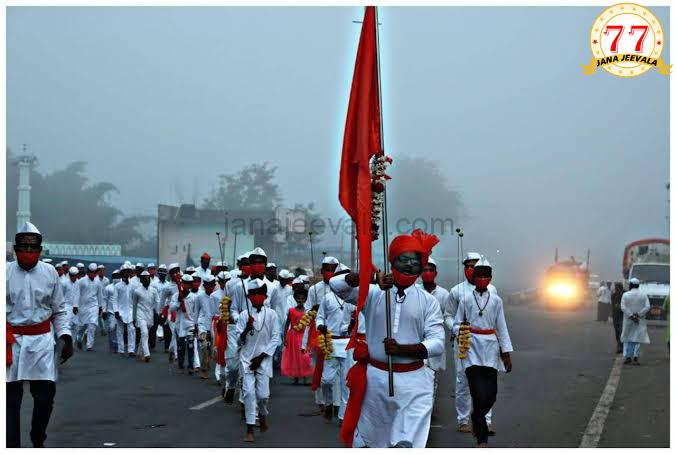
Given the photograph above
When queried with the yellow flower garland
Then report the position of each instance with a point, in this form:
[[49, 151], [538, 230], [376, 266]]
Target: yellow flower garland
[[326, 344], [225, 309], [464, 337], [305, 321]]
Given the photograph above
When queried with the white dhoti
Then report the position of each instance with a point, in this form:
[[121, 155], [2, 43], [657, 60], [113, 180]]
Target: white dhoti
[[402, 420], [131, 336], [231, 359], [334, 376], [143, 344], [255, 395]]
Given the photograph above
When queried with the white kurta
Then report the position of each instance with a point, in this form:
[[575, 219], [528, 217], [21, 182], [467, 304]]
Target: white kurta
[[603, 295], [335, 314], [159, 286], [31, 298], [121, 302], [484, 349], [68, 289], [443, 298], [144, 300], [456, 293], [635, 302], [316, 294], [108, 292], [88, 298], [201, 272], [205, 303], [405, 418], [264, 340], [185, 321]]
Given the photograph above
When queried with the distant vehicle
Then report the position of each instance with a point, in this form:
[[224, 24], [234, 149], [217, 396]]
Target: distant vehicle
[[566, 285], [648, 261]]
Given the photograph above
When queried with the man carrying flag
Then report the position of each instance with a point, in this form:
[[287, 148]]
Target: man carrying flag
[[373, 419]]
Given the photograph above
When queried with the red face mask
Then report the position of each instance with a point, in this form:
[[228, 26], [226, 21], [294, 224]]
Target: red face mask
[[428, 277], [257, 269], [196, 285], [481, 283], [257, 299], [403, 280], [469, 273], [221, 284], [327, 275], [27, 260], [246, 269]]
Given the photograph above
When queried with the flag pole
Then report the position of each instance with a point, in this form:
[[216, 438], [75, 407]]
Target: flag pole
[[386, 262]]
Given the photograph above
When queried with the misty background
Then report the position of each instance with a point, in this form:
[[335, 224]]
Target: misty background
[[522, 151]]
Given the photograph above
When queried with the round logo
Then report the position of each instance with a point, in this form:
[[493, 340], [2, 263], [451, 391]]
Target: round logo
[[626, 39]]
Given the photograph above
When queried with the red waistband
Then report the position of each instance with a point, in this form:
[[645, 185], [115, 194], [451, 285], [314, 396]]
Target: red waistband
[[474, 330], [32, 330], [397, 367], [215, 317]]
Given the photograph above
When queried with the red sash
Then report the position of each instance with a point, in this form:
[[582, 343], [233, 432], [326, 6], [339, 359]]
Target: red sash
[[24, 330], [172, 316], [221, 340], [474, 330], [319, 369]]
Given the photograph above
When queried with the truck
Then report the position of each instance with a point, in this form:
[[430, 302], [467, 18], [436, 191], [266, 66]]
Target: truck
[[648, 261], [566, 284]]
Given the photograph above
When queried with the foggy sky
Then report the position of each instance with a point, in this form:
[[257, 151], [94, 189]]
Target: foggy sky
[[543, 156]]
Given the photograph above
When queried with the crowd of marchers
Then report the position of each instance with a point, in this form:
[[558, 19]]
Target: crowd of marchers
[[248, 323]]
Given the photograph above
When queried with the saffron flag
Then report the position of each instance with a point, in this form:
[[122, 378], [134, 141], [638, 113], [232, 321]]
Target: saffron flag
[[360, 143]]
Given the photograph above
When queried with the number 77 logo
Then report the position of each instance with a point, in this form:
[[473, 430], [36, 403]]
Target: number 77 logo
[[619, 29]]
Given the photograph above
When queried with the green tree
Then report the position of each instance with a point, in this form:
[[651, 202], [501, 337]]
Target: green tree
[[251, 188]]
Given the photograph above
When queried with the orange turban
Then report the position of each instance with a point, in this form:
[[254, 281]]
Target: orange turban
[[418, 241]]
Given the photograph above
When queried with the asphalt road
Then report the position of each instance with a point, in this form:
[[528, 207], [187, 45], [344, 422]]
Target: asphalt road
[[562, 361]]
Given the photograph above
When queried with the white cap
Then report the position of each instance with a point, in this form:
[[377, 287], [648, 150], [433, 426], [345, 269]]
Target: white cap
[[151, 265], [80, 265], [145, 273], [73, 270], [305, 278], [286, 274], [235, 273], [47, 260], [258, 251], [297, 280], [224, 275], [634, 281], [483, 262], [92, 267], [208, 278], [65, 262], [140, 265], [431, 261], [100, 267], [127, 266], [255, 284], [162, 267], [472, 256], [328, 260], [270, 265], [190, 268], [116, 271], [127, 262], [342, 267], [29, 228], [186, 278], [243, 256], [174, 266]]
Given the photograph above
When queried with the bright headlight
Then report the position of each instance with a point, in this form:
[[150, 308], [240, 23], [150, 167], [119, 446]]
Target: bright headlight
[[562, 290]]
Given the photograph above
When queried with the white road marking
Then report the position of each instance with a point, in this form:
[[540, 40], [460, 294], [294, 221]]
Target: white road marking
[[436, 427], [592, 433], [207, 403]]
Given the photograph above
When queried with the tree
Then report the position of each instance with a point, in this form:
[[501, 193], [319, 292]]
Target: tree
[[66, 207], [251, 188]]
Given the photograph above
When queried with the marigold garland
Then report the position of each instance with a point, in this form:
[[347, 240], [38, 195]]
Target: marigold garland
[[325, 344], [305, 321], [464, 337], [224, 305]]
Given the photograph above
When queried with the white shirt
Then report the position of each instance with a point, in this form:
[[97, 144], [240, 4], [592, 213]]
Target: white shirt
[[108, 297], [88, 298], [443, 297], [205, 303], [603, 294], [144, 300], [278, 302], [415, 319], [159, 286], [185, 321], [484, 349], [31, 298], [121, 301], [457, 292], [336, 314], [201, 272], [265, 339], [104, 281], [635, 302], [316, 294], [68, 288]]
